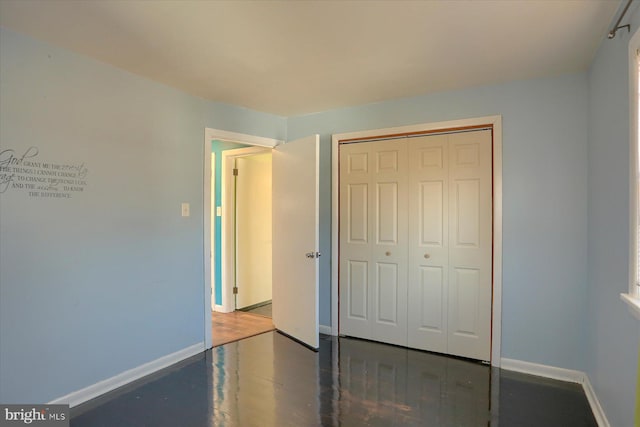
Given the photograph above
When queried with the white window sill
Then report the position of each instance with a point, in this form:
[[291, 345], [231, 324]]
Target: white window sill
[[633, 304]]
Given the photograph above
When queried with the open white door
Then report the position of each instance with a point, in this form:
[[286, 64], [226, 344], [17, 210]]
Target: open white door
[[296, 239]]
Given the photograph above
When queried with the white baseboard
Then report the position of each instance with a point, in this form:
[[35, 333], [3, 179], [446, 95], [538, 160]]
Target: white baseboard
[[80, 396], [222, 309], [543, 370], [324, 329], [562, 375], [598, 412]]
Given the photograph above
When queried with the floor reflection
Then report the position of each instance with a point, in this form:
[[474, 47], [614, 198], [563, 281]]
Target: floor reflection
[[380, 383], [270, 380]]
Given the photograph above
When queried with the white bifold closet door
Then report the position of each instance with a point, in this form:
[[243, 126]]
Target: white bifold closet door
[[373, 241], [416, 242]]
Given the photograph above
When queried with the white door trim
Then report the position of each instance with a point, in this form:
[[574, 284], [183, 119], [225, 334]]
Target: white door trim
[[496, 122], [211, 234], [209, 135]]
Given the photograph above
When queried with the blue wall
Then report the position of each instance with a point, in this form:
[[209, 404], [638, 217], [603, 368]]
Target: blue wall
[[545, 202], [218, 147], [112, 278], [76, 273], [613, 333]]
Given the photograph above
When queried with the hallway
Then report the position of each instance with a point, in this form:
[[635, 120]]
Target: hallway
[[229, 327]]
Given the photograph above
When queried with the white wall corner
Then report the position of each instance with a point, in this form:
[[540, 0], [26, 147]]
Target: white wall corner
[[324, 329], [594, 402], [563, 375], [101, 387]]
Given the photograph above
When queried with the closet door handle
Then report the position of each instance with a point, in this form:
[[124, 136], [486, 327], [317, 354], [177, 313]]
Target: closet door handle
[[427, 256], [388, 253]]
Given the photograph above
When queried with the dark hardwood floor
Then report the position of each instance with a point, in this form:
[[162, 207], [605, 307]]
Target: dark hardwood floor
[[270, 380]]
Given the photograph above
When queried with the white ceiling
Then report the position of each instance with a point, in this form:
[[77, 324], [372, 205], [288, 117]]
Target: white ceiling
[[295, 57]]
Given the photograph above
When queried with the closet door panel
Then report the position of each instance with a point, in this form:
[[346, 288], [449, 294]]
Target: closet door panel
[[357, 290], [388, 268], [428, 243], [470, 269], [355, 239]]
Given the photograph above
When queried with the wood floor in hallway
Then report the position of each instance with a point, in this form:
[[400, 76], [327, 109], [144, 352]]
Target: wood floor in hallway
[[230, 327]]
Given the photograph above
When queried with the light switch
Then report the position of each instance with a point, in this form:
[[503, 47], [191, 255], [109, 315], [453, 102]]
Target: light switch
[[218, 210], [185, 209]]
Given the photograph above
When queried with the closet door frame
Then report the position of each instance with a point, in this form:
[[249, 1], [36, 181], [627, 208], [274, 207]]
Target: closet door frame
[[493, 122]]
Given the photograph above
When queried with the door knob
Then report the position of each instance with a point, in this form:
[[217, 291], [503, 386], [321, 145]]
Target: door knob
[[427, 256], [388, 253]]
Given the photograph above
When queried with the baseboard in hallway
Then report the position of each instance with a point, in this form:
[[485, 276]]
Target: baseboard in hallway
[[263, 309]]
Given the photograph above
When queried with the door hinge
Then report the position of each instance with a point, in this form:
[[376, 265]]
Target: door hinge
[[235, 290], [313, 255], [235, 171]]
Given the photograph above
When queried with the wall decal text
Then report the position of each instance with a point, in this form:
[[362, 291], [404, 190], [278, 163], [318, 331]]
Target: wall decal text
[[25, 171]]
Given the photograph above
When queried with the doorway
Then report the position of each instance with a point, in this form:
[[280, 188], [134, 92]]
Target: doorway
[[215, 254], [240, 241], [295, 231], [252, 226], [242, 267]]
